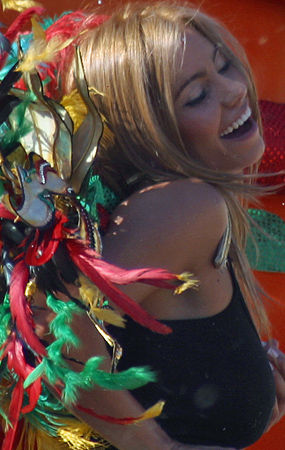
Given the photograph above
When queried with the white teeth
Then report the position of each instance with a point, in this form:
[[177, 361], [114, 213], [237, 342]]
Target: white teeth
[[237, 123]]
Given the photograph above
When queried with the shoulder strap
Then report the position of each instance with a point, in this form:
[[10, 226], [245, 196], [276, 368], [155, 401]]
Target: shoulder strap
[[222, 252]]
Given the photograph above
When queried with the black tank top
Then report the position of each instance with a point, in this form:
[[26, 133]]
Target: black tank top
[[212, 373]]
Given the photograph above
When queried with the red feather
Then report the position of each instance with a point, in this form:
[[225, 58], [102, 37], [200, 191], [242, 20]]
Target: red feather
[[45, 243], [18, 25], [87, 265], [91, 412], [66, 27], [13, 415], [21, 21], [5, 214], [17, 363], [20, 309], [117, 275], [109, 419]]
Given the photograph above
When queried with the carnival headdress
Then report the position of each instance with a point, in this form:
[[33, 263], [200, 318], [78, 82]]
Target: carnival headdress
[[49, 238]]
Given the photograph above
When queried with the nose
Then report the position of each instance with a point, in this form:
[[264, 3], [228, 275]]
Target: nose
[[233, 92]]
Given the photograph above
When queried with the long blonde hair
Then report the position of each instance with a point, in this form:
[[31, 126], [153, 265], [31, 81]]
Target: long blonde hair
[[130, 60]]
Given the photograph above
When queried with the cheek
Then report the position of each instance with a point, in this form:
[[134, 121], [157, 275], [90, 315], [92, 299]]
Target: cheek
[[199, 132]]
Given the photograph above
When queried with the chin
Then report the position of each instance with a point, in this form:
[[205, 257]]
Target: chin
[[251, 156], [258, 152]]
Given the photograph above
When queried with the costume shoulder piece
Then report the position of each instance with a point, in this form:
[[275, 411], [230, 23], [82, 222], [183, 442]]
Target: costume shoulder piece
[[50, 239]]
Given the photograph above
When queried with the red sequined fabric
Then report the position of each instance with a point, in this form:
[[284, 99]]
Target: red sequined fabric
[[273, 119]]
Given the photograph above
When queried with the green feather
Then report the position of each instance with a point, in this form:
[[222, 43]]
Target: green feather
[[5, 417], [5, 320], [62, 331], [35, 374], [132, 378], [60, 307], [90, 376], [54, 352]]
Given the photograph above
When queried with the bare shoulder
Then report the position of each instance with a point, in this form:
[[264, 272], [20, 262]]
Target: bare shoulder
[[187, 197], [182, 216]]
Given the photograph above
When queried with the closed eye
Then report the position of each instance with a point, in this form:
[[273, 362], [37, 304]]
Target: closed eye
[[198, 99], [225, 67]]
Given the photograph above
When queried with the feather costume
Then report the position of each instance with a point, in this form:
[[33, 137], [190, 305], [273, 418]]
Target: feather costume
[[46, 225]]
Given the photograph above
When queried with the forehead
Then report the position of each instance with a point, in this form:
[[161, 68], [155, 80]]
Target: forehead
[[195, 55], [195, 51]]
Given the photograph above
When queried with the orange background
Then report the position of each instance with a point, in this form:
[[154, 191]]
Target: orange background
[[260, 27]]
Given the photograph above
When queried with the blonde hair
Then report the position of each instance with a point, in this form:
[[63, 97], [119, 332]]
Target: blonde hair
[[131, 59]]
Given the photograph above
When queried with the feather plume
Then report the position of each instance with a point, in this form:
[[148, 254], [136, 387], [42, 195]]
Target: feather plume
[[21, 21], [109, 316], [91, 296], [5, 214], [67, 26], [188, 282], [132, 378], [81, 256], [5, 319], [18, 5], [78, 437], [44, 245], [150, 413], [14, 414], [31, 438], [41, 50], [35, 374], [20, 309], [91, 376], [17, 364], [117, 275], [59, 326]]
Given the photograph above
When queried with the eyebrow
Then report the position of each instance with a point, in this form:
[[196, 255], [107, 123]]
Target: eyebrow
[[195, 76]]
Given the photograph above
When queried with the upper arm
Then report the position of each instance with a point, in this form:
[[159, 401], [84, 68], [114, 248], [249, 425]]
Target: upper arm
[[175, 225]]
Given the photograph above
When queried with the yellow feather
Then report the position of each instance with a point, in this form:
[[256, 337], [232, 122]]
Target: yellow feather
[[38, 31], [152, 412], [93, 297], [108, 315], [33, 439], [89, 293], [41, 50], [18, 5], [77, 437], [189, 282]]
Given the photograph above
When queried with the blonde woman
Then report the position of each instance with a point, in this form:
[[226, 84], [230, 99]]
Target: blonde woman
[[177, 95]]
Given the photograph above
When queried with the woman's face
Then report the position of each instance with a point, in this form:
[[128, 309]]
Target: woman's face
[[212, 109]]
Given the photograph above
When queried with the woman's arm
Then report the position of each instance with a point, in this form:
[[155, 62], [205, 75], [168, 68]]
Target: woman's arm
[[146, 435], [174, 225]]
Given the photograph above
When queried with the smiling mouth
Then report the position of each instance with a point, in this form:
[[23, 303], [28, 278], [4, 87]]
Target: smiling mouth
[[240, 127], [240, 131]]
